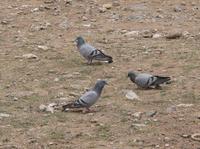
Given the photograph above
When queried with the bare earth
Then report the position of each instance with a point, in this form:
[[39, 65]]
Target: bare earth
[[47, 29]]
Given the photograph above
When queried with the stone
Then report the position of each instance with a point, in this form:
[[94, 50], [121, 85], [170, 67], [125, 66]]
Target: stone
[[137, 115], [132, 34], [4, 115], [102, 10], [84, 18], [131, 95], [147, 34], [157, 35], [184, 105], [195, 136], [151, 113], [42, 47], [30, 56], [42, 107], [177, 9], [56, 79], [138, 125], [107, 6], [174, 35]]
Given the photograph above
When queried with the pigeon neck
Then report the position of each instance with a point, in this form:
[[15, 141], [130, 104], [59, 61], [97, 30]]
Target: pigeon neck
[[98, 88], [80, 43], [133, 78]]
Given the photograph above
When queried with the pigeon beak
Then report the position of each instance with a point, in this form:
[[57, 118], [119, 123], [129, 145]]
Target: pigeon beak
[[106, 83]]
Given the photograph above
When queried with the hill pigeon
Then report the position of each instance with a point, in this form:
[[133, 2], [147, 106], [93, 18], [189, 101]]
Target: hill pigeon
[[90, 53], [88, 98], [145, 80]]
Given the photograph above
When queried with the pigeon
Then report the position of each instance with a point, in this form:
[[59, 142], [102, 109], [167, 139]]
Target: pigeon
[[88, 98], [91, 53], [144, 80]]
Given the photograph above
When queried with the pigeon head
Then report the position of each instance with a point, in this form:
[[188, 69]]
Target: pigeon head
[[132, 75], [79, 41], [100, 85]]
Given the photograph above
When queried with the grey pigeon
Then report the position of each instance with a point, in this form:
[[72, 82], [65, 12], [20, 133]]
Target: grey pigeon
[[145, 80], [91, 53], [88, 98]]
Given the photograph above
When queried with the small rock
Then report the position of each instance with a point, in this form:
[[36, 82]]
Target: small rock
[[50, 109], [147, 34], [4, 22], [35, 10], [93, 121], [30, 56], [45, 48], [107, 6], [195, 136], [56, 79], [4, 115], [151, 113], [84, 18], [137, 115], [138, 125], [68, 2], [177, 9], [166, 145], [174, 35], [184, 105], [42, 108], [157, 35], [131, 95], [15, 99], [171, 109], [132, 34], [102, 10], [185, 136]]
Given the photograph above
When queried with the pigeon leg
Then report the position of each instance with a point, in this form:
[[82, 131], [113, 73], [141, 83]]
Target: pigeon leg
[[89, 61]]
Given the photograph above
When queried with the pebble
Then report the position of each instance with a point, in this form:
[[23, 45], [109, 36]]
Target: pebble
[[195, 136], [132, 34], [174, 35], [84, 18], [56, 79], [107, 6], [147, 34], [171, 109], [131, 95], [30, 56], [138, 125], [184, 105], [166, 145], [177, 9], [137, 115], [42, 47], [157, 35], [4, 115], [42, 107], [102, 10], [151, 113]]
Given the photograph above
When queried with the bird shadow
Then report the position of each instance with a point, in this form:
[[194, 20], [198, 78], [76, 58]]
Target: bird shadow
[[149, 89], [82, 111]]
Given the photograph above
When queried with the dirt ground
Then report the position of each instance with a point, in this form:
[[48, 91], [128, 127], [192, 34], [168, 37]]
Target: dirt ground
[[57, 73]]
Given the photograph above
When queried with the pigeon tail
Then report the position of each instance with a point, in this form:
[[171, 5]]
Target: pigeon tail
[[99, 55], [161, 80]]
